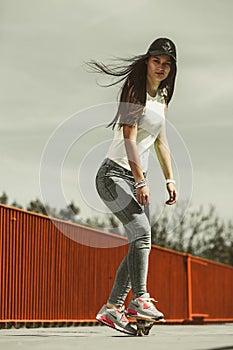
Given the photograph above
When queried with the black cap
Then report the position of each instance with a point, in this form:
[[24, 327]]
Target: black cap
[[162, 46]]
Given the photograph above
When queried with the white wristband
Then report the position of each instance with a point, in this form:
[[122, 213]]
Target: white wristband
[[168, 181], [139, 184]]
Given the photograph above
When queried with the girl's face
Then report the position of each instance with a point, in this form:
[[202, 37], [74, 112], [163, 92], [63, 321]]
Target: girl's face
[[158, 68]]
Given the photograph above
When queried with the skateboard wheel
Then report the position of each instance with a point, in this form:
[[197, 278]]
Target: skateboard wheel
[[140, 332]]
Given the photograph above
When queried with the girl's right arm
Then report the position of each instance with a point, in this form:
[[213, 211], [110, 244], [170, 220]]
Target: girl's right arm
[[130, 134]]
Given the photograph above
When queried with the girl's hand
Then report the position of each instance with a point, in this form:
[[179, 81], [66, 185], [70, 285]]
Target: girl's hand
[[142, 195], [172, 194]]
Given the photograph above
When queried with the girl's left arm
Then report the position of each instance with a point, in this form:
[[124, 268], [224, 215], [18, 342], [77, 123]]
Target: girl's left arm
[[164, 156]]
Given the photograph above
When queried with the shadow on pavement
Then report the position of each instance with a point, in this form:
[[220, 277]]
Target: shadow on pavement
[[223, 348]]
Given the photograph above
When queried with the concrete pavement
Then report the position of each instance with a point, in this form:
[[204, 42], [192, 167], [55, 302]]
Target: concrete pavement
[[162, 337]]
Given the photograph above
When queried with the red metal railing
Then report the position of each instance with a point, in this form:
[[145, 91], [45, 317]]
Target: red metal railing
[[212, 286], [57, 272]]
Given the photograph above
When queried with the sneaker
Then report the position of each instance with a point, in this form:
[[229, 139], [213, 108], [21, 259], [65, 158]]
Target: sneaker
[[144, 307], [116, 319]]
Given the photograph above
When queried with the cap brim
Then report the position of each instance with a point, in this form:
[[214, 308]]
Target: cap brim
[[158, 53]]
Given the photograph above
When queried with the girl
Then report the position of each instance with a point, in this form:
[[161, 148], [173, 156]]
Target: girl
[[121, 179]]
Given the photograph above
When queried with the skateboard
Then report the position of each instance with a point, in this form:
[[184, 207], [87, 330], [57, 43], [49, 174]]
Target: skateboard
[[144, 325]]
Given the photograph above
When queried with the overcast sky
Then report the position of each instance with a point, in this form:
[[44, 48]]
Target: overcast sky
[[44, 82]]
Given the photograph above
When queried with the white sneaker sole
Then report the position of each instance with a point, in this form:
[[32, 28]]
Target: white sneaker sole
[[139, 316], [107, 322]]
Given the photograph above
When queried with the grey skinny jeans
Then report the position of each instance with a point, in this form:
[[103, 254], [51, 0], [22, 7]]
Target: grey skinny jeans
[[115, 187]]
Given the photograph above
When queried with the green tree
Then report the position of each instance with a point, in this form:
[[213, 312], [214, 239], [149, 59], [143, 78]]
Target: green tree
[[198, 233], [16, 204], [37, 207], [69, 213], [4, 198]]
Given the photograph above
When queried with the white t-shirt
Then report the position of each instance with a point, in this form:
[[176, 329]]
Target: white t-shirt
[[149, 126]]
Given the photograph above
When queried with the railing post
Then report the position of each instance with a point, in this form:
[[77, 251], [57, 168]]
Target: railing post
[[189, 288]]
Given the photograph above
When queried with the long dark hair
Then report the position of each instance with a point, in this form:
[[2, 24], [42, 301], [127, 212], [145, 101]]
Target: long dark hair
[[133, 92]]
